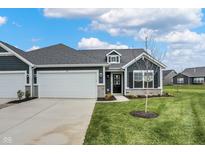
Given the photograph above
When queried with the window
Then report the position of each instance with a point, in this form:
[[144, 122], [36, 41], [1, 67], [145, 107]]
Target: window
[[143, 79], [198, 80], [180, 80], [138, 79], [148, 79], [113, 59]]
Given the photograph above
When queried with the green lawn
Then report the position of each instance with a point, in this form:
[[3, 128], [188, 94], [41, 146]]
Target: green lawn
[[181, 120]]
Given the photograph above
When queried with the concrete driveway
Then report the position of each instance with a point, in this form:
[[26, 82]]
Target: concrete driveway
[[46, 121], [3, 101]]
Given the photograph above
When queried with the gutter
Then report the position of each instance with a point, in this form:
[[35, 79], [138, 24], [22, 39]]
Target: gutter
[[70, 65]]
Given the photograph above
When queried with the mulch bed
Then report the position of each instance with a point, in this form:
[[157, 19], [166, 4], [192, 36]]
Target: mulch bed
[[106, 99], [21, 101], [15, 102], [142, 114], [143, 96]]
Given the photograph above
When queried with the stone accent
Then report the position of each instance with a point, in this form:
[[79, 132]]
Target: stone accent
[[137, 92], [101, 91]]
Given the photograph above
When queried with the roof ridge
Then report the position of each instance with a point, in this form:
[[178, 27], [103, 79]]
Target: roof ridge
[[46, 47], [110, 49]]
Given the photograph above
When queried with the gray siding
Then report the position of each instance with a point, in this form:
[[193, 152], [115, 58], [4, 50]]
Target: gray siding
[[2, 50], [187, 80], [73, 68], [108, 82], [168, 79], [140, 65], [12, 63]]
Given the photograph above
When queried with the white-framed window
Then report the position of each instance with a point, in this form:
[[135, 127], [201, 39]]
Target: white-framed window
[[113, 59], [143, 79], [180, 80], [198, 80]]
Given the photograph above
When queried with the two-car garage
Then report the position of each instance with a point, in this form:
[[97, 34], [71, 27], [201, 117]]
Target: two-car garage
[[67, 84], [52, 84]]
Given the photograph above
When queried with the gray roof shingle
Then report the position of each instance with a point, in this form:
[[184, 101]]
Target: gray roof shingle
[[194, 72], [166, 72], [62, 54], [126, 55], [59, 54]]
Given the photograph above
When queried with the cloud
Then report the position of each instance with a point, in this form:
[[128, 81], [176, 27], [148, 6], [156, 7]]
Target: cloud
[[172, 27], [35, 39], [73, 13], [33, 48], [16, 24], [95, 43], [3, 20]]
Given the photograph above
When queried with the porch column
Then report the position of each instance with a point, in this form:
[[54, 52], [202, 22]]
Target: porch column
[[161, 81], [31, 80]]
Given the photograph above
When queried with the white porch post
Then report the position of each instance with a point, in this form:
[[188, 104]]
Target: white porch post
[[104, 75], [125, 81], [31, 80], [161, 81]]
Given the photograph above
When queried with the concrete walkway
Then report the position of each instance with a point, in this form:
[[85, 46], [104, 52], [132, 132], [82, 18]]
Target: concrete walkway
[[46, 121], [119, 98]]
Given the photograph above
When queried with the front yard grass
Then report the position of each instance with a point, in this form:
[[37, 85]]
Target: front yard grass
[[181, 120]]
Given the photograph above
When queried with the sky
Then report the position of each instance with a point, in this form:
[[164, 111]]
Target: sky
[[178, 34]]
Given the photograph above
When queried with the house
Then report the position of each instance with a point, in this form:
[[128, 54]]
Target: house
[[194, 75], [168, 76], [63, 72]]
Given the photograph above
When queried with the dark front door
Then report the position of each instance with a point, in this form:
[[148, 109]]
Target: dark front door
[[117, 83]]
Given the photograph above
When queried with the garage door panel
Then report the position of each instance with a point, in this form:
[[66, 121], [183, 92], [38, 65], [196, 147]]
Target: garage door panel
[[68, 85], [10, 83]]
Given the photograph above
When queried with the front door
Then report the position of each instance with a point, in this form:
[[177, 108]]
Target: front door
[[117, 83]]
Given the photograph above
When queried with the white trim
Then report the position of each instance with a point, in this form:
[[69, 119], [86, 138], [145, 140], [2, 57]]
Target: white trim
[[31, 80], [115, 70], [161, 81], [104, 75], [11, 72], [70, 65], [111, 88], [147, 56], [109, 57], [112, 52], [16, 54], [143, 72], [125, 81], [6, 54]]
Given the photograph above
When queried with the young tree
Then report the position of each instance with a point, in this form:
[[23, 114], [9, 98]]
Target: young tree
[[150, 68]]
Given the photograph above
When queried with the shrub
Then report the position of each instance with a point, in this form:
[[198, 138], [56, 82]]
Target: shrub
[[108, 96], [20, 94], [27, 94]]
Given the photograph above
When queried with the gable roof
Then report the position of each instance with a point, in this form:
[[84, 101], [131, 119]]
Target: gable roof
[[166, 72], [113, 51], [194, 72], [126, 55], [17, 52], [59, 54], [62, 55]]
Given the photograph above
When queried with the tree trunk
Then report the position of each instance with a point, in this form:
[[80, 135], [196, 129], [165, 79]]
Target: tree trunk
[[146, 99]]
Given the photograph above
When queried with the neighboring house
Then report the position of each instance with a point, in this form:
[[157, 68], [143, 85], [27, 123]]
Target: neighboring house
[[62, 72], [168, 76], [190, 76]]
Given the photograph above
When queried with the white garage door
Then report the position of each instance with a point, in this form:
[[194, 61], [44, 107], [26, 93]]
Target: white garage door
[[11, 82], [67, 84]]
